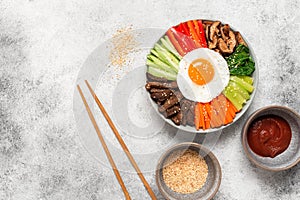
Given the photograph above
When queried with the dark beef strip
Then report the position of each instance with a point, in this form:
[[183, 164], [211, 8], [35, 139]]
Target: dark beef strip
[[177, 118], [161, 96], [155, 90], [171, 102], [150, 77], [185, 105], [172, 111], [179, 95], [190, 118], [160, 85]]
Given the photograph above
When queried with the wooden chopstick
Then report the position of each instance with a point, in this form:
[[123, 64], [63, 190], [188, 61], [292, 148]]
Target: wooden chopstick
[[111, 161], [122, 143]]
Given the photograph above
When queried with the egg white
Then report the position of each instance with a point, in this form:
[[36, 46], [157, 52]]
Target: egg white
[[203, 93]]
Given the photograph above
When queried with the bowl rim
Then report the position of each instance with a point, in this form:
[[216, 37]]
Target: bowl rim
[[187, 145], [250, 119]]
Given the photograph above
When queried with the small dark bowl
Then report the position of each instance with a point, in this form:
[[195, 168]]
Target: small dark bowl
[[291, 156], [213, 181]]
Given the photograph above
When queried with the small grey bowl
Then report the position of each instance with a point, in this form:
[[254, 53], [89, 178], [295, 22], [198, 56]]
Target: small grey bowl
[[213, 181], [291, 156]]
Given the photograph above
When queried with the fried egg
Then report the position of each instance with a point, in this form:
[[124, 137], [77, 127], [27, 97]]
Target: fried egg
[[203, 75]]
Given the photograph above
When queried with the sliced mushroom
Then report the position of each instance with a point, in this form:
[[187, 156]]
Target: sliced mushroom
[[231, 42], [214, 30], [227, 47], [240, 39], [217, 50], [213, 44], [223, 46], [207, 32], [207, 22], [225, 32]]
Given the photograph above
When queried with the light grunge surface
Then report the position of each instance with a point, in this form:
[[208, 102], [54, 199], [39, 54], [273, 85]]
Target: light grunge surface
[[43, 48]]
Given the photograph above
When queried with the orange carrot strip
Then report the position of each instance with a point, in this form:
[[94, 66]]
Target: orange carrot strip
[[194, 34], [216, 111], [223, 104], [207, 112], [201, 33], [213, 117], [228, 117], [197, 28], [204, 113], [227, 114], [202, 124], [197, 116], [232, 109], [175, 42]]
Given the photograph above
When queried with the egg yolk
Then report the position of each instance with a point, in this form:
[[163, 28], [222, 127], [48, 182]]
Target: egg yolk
[[201, 71]]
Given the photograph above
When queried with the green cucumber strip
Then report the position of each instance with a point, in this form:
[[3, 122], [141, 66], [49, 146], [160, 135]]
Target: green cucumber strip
[[152, 63], [239, 98], [233, 99], [161, 54], [169, 57], [242, 83], [247, 79], [235, 94], [157, 61], [154, 53], [165, 58], [237, 88], [168, 44], [161, 73], [167, 53]]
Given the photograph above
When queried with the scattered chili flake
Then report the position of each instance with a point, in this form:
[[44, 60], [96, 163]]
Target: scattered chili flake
[[185, 172]]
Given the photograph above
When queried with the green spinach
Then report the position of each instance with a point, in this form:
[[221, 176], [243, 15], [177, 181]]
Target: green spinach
[[240, 62]]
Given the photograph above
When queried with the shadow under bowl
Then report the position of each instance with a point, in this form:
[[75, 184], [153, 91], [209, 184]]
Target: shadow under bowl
[[287, 159], [213, 180]]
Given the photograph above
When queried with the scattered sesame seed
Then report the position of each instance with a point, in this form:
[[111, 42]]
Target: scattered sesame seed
[[123, 42]]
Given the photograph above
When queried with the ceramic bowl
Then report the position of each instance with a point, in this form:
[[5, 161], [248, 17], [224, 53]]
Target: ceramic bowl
[[213, 180], [255, 77], [291, 156]]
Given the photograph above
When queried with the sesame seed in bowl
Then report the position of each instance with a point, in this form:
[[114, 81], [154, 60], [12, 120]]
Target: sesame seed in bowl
[[185, 171], [188, 171]]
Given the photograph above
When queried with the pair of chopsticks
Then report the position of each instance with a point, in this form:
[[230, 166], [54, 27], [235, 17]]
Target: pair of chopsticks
[[119, 138]]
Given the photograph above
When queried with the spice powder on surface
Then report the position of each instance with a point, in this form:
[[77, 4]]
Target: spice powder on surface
[[185, 172], [123, 42]]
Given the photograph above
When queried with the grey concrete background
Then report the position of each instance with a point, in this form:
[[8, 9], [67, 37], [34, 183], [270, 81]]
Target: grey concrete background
[[43, 45]]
